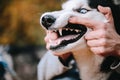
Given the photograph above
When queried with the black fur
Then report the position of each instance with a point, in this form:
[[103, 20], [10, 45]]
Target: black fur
[[115, 10], [2, 71], [105, 66], [108, 61]]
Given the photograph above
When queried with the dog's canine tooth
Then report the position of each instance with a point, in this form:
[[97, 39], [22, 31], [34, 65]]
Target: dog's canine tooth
[[54, 30], [60, 32]]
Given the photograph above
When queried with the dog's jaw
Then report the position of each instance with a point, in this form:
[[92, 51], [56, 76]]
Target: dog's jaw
[[88, 63], [65, 38], [84, 57], [62, 18], [68, 35]]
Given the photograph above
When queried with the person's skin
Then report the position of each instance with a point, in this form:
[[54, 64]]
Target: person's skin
[[51, 35], [103, 39]]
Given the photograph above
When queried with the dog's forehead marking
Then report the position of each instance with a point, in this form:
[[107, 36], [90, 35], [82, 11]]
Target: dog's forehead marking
[[74, 4]]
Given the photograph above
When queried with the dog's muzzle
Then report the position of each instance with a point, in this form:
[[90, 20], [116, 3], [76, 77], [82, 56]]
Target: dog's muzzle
[[47, 21], [68, 34]]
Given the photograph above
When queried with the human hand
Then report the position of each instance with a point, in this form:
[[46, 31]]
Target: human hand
[[50, 35], [103, 39]]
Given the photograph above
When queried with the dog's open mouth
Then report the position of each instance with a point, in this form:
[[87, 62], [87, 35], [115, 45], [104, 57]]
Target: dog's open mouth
[[69, 34]]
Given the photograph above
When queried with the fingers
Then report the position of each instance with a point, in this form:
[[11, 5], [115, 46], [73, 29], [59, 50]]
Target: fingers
[[97, 42], [84, 21], [102, 51], [104, 10], [92, 23], [107, 12], [96, 34], [98, 50]]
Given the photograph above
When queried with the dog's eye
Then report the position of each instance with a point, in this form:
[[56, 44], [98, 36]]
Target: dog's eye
[[82, 10]]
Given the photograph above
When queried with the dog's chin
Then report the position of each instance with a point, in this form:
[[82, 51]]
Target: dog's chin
[[69, 34], [60, 52]]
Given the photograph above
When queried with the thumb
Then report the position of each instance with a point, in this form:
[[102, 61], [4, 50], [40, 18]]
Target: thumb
[[107, 12], [85, 21]]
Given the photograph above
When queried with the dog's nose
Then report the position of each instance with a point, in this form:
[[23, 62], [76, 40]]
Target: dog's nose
[[48, 20]]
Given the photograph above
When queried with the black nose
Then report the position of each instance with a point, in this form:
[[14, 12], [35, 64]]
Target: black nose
[[48, 20]]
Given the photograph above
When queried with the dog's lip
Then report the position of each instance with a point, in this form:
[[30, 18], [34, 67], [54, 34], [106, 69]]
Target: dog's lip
[[66, 35], [70, 29]]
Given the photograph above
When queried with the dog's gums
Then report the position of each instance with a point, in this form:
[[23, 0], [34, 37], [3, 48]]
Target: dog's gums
[[69, 34]]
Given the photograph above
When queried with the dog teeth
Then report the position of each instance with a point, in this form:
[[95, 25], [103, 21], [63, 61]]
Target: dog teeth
[[66, 29], [71, 29], [78, 30], [60, 32]]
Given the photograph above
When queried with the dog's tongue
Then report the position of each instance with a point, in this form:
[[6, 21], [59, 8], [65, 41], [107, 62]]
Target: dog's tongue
[[51, 35], [53, 39]]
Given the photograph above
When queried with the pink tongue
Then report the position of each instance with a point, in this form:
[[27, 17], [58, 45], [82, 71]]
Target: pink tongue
[[52, 35], [52, 38]]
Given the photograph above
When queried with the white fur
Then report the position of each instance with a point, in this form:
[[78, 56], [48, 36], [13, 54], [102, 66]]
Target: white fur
[[63, 15], [88, 63]]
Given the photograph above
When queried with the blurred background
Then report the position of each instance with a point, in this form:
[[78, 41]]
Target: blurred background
[[21, 36], [21, 33]]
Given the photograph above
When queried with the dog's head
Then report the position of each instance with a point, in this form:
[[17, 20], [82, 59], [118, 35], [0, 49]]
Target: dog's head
[[70, 37]]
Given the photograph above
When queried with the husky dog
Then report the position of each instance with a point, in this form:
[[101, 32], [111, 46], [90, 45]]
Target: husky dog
[[71, 37]]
